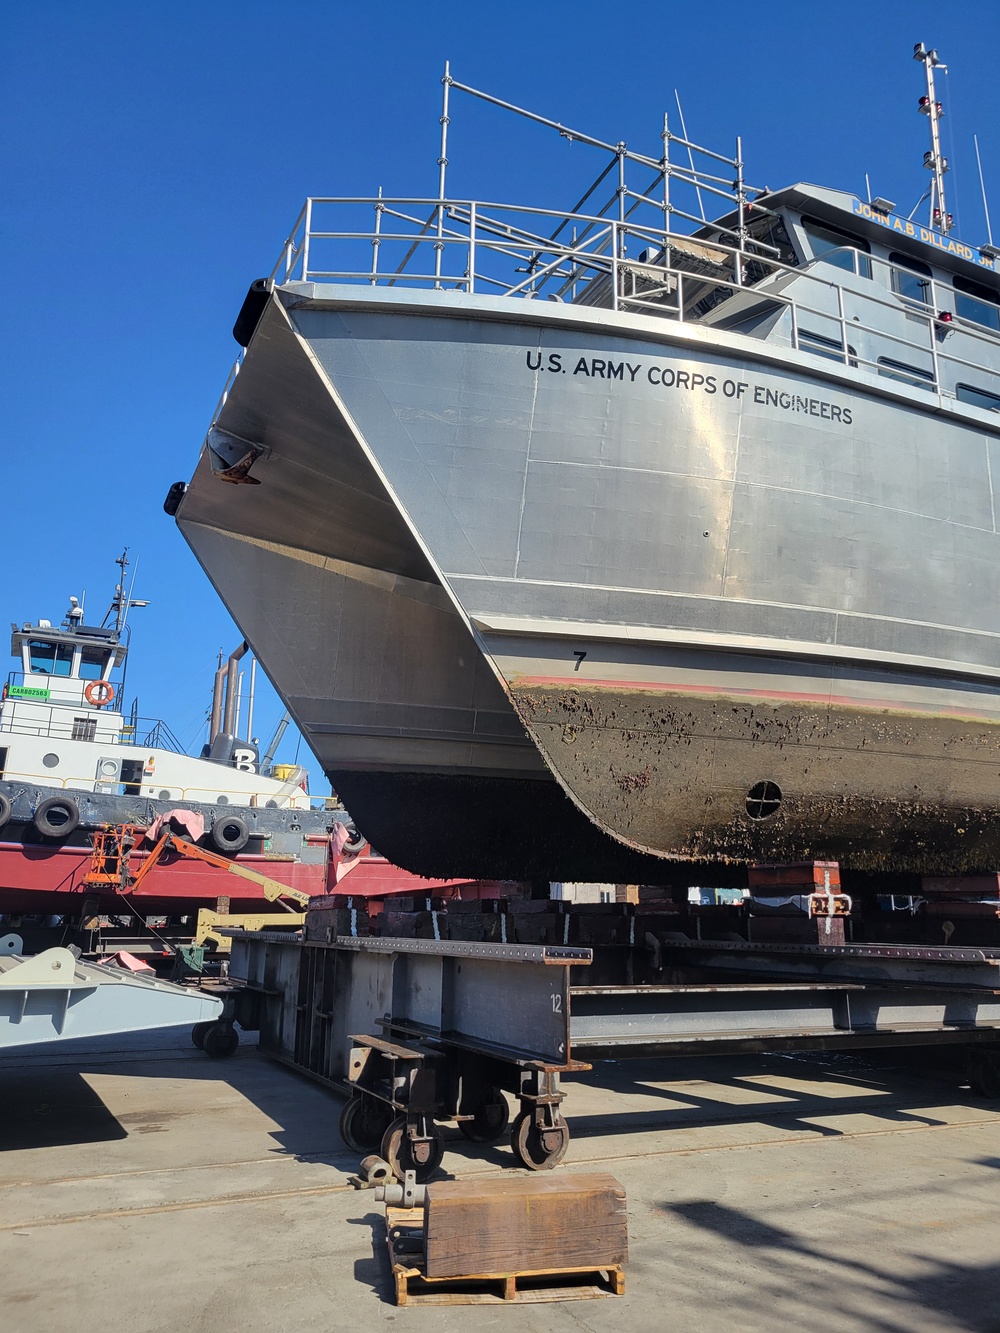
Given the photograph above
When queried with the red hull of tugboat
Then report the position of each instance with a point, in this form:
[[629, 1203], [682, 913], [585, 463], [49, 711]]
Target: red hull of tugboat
[[50, 880]]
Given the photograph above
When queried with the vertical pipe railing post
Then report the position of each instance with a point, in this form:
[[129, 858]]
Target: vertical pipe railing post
[[741, 205], [376, 239], [932, 336], [471, 284], [667, 257], [842, 315], [614, 264], [306, 232], [621, 193], [794, 320], [442, 169]]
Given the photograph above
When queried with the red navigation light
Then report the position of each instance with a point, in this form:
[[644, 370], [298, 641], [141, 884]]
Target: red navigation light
[[924, 105], [945, 317]]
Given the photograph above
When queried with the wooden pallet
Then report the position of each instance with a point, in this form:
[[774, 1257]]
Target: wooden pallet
[[405, 1235], [404, 1228]]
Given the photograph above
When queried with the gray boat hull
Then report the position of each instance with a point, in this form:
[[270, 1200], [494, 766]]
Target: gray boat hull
[[601, 577]]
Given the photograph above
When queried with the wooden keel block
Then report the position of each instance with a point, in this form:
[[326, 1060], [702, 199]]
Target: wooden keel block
[[513, 1225]]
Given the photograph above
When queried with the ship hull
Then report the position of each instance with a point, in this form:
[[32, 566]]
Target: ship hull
[[51, 880], [605, 578], [40, 877]]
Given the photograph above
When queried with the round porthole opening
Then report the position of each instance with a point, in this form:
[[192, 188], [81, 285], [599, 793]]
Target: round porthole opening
[[763, 800]]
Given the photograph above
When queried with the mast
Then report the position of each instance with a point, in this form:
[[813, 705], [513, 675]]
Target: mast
[[123, 601], [934, 160]]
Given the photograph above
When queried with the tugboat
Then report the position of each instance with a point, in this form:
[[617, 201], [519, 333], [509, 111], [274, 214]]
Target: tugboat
[[73, 763]]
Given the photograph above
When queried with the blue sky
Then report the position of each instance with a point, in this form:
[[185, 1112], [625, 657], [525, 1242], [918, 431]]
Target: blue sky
[[155, 155]]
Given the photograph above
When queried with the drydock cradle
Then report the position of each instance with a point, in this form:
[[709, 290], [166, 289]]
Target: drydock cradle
[[423, 1031]]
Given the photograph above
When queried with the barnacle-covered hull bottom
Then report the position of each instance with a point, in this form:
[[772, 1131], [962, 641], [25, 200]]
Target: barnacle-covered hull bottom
[[658, 780]]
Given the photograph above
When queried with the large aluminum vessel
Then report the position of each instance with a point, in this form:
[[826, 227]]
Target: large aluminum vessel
[[586, 538]]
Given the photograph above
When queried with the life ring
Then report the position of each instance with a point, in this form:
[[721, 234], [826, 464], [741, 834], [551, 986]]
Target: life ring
[[92, 688]]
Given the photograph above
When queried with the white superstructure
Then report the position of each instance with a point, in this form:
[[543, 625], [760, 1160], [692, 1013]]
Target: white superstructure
[[62, 726]]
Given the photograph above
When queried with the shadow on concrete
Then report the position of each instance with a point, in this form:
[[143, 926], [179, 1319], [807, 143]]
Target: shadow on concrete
[[305, 1114], [776, 1091], [56, 1108], [374, 1272], [968, 1295]]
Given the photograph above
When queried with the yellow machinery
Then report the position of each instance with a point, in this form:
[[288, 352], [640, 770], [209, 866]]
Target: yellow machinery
[[110, 869]]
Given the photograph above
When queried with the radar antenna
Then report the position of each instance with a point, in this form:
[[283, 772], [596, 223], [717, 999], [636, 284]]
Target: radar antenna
[[940, 219]]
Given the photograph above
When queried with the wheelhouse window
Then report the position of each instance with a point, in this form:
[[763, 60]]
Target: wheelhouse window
[[910, 278], [967, 393], [976, 303], [50, 659], [92, 664], [906, 374], [839, 248]]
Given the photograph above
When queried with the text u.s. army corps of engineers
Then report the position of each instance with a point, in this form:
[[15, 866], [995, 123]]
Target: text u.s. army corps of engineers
[[690, 379]]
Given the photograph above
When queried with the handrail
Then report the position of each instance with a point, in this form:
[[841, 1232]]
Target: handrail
[[148, 732], [523, 252], [257, 797]]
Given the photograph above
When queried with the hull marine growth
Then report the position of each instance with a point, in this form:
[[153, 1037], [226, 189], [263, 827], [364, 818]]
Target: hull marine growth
[[589, 545]]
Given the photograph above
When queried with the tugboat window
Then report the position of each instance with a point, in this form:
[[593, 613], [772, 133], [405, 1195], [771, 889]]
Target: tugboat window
[[92, 662], [910, 278], [84, 729], [49, 658]]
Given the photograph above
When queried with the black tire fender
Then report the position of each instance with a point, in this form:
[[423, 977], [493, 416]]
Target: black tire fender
[[230, 834], [56, 817], [356, 842], [5, 809]]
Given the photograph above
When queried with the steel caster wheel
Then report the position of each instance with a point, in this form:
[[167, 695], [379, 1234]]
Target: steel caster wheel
[[399, 1150], [220, 1041], [198, 1034], [489, 1119], [537, 1149], [363, 1123], [984, 1075]]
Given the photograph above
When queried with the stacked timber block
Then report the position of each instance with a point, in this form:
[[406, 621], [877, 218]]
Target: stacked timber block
[[788, 922], [335, 914], [519, 1225]]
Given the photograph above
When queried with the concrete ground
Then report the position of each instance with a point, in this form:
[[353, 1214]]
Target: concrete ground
[[154, 1189]]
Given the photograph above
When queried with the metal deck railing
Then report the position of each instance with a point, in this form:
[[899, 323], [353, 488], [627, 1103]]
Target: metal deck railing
[[638, 252]]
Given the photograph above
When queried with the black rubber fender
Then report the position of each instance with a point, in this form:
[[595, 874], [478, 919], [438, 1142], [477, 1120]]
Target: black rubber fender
[[356, 842], [56, 817], [5, 809], [254, 304], [230, 834]]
